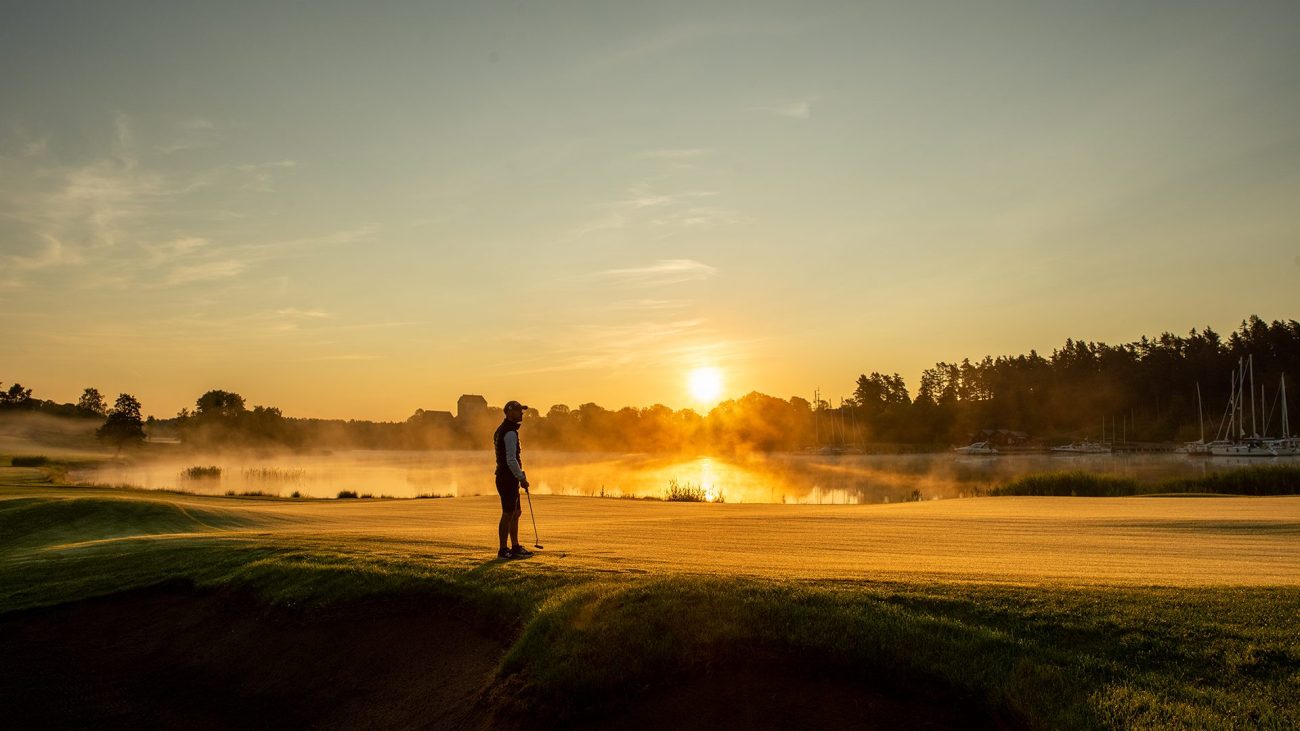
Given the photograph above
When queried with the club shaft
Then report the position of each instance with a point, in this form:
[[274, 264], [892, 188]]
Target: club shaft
[[536, 541]]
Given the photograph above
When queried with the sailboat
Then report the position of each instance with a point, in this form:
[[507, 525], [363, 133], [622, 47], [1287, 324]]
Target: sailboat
[[1198, 448], [1238, 444], [1084, 447], [1289, 444], [1087, 446]]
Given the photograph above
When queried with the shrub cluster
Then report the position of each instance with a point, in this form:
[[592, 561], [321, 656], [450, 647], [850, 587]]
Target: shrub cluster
[[200, 473], [1260, 480]]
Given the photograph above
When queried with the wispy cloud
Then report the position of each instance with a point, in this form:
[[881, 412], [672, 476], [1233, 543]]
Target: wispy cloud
[[189, 134], [103, 212], [648, 207], [210, 263], [643, 199], [649, 305], [696, 216], [675, 153], [53, 254], [347, 356], [677, 157], [261, 175], [645, 344], [797, 109], [220, 269], [602, 347], [304, 314], [662, 272]]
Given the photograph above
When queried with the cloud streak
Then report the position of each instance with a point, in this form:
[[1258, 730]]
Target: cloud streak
[[647, 208], [798, 109], [645, 344], [661, 273], [114, 215]]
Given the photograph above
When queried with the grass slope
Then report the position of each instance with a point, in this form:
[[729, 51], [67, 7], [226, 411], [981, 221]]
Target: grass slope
[[1055, 656]]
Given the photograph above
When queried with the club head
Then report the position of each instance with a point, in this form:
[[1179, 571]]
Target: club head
[[537, 545]]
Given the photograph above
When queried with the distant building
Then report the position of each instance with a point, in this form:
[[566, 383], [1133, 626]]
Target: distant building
[[432, 418], [470, 407]]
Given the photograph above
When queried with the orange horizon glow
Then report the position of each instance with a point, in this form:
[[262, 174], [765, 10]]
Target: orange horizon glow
[[452, 200]]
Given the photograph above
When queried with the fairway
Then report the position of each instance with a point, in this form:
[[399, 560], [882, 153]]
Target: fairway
[[1039, 612], [1165, 541]]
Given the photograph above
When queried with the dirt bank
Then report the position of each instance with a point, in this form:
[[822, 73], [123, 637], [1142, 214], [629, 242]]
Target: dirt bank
[[172, 657]]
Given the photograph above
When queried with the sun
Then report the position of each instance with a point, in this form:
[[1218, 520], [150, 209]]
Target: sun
[[705, 384]]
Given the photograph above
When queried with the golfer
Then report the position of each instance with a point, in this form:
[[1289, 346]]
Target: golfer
[[510, 477]]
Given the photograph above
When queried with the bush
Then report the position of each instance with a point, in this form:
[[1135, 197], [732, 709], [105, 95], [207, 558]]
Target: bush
[[685, 493], [201, 473], [1262, 480], [1066, 484], [275, 473], [29, 461], [347, 494]]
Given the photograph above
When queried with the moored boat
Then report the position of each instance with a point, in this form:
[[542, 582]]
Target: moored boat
[[978, 448], [1084, 447]]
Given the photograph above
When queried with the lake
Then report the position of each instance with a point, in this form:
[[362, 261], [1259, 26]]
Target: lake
[[771, 478]]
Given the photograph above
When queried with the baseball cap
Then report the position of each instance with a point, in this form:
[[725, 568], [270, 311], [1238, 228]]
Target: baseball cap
[[514, 405]]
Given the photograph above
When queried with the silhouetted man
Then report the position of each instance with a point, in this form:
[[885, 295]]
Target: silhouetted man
[[510, 477]]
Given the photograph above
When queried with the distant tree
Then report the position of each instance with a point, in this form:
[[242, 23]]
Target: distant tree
[[124, 426], [219, 404], [92, 403], [16, 397]]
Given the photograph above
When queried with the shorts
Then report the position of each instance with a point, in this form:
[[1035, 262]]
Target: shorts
[[508, 490]]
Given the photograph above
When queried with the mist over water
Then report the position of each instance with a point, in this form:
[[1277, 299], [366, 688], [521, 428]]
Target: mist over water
[[772, 478]]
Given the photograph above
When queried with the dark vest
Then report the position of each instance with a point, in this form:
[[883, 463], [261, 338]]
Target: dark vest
[[499, 444]]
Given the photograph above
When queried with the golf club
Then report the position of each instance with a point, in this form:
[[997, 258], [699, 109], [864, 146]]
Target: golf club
[[536, 543]]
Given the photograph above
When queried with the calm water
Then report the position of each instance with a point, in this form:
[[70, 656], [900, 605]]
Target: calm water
[[789, 478]]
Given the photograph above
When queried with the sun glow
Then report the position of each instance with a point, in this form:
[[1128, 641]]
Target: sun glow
[[706, 385]]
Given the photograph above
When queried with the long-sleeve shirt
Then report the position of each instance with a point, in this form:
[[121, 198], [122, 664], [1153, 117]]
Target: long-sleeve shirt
[[511, 441]]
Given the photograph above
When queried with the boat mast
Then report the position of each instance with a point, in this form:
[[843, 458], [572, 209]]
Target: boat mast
[[1200, 412], [1241, 410], [1253, 431], [1266, 414], [1286, 425], [817, 431]]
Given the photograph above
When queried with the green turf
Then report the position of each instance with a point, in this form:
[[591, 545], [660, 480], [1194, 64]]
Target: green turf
[[1058, 657]]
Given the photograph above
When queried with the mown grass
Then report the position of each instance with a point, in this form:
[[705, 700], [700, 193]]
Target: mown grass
[[1056, 657], [1261, 480]]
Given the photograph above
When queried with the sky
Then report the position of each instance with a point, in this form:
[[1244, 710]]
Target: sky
[[354, 210]]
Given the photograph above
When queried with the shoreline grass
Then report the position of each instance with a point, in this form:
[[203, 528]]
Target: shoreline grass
[[211, 472], [1058, 657], [1258, 480]]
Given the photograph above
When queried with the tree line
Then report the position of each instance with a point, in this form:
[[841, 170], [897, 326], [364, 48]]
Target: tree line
[[1145, 390]]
